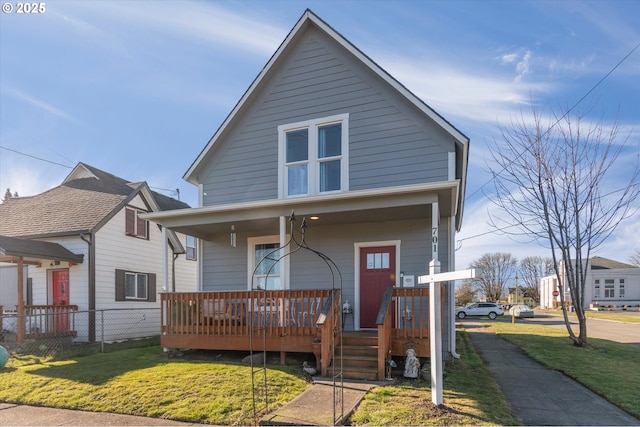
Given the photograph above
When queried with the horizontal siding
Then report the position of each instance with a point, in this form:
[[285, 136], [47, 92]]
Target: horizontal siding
[[319, 79], [225, 267]]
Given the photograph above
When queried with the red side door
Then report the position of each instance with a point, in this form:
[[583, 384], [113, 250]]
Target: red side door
[[60, 291], [377, 273]]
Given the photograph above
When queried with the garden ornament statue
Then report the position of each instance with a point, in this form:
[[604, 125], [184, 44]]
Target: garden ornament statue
[[4, 356], [411, 364]]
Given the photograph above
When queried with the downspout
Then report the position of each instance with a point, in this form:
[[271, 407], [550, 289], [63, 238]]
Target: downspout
[[173, 273], [451, 176], [452, 288], [92, 288]]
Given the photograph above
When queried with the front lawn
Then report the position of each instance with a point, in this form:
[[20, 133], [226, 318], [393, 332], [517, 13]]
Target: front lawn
[[144, 382]]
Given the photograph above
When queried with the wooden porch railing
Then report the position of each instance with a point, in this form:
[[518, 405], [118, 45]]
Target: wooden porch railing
[[328, 323], [50, 321], [403, 323], [282, 320]]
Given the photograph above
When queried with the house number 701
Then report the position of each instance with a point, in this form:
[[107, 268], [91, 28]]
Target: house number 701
[[434, 239]]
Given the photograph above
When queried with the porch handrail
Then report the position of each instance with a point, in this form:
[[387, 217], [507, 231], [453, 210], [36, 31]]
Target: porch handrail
[[233, 313], [384, 330], [328, 321], [50, 320]]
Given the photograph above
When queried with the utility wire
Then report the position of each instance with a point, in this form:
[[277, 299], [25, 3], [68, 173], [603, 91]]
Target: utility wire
[[568, 111], [551, 127], [35, 157]]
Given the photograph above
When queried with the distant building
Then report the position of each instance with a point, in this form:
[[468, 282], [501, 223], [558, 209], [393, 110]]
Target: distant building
[[608, 282]]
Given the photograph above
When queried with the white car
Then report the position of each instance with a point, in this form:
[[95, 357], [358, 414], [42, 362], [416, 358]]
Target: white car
[[521, 310], [490, 309]]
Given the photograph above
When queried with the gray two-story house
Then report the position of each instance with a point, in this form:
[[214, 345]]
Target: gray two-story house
[[378, 176]]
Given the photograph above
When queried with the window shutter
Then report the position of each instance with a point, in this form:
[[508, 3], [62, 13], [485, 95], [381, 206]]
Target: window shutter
[[130, 215], [142, 227], [151, 287], [120, 285]]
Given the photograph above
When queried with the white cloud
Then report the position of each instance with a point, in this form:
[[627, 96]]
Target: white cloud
[[207, 23], [42, 105]]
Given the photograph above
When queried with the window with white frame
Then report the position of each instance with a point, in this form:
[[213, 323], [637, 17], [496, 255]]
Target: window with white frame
[[265, 265], [621, 288], [314, 156], [191, 248], [609, 288], [135, 286], [596, 293]]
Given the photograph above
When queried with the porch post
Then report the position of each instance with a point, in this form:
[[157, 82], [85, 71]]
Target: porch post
[[284, 260], [20, 320], [165, 261], [435, 327]]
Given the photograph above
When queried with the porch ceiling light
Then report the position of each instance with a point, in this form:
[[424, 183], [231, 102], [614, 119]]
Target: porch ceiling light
[[314, 217], [233, 236]]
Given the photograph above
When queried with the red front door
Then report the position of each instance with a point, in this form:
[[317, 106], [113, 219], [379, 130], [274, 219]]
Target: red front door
[[60, 291], [377, 273]]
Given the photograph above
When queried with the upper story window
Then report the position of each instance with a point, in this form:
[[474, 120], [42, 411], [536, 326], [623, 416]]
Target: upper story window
[[135, 226], [314, 156], [192, 248]]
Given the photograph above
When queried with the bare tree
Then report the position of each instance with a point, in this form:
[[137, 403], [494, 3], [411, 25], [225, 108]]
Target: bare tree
[[497, 269], [552, 181], [531, 270], [635, 258], [465, 293]]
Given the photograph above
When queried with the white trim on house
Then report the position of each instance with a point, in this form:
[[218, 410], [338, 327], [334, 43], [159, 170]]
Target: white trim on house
[[356, 273], [313, 180], [251, 261]]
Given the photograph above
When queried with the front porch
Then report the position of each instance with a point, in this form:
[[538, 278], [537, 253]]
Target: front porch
[[304, 321]]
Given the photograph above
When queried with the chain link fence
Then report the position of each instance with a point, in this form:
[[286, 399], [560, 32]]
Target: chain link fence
[[62, 334]]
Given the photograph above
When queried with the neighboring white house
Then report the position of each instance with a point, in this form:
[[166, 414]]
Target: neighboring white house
[[95, 215], [608, 282]]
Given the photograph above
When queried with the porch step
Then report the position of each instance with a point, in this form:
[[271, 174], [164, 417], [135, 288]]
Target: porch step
[[359, 355]]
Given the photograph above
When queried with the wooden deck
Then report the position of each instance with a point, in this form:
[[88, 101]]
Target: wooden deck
[[305, 321]]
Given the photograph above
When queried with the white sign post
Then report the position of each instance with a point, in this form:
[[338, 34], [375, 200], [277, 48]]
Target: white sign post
[[435, 328]]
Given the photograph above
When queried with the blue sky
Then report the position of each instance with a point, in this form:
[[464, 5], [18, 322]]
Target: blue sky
[[137, 88]]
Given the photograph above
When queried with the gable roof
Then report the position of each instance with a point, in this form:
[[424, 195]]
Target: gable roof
[[24, 248], [310, 19], [86, 199]]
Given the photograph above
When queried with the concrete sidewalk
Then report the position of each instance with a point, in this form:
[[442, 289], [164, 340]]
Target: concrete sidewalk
[[539, 396], [315, 406], [25, 415]]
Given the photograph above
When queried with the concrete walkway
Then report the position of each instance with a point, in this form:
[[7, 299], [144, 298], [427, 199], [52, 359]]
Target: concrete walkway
[[539, 396], [315, 406]]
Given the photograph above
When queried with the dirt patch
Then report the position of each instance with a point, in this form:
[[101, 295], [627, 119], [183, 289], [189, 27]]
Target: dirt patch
[[430, 409]]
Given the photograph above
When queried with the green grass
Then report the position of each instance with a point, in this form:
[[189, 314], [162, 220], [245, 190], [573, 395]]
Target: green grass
[[144, 382], [471, 397], [608, 368], [603, 315]]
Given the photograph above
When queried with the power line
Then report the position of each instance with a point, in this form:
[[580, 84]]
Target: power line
[[35, 157], [568, 111]]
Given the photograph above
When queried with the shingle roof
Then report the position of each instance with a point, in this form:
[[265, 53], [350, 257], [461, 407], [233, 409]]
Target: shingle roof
[[77, 205]]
